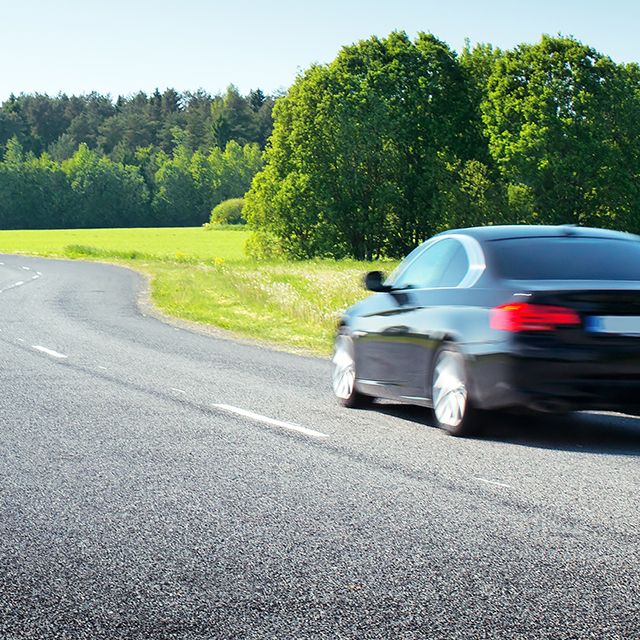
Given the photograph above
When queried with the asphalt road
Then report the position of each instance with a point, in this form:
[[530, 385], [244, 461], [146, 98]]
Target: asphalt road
[[158, 483]]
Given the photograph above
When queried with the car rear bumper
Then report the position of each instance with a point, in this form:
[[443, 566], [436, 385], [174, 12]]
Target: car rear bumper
[[557, 380]]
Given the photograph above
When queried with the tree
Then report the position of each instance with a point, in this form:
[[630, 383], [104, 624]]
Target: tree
[[360, 147], [46, 116], [235, 168], [198, 119], [34, 192], [256, 100], [105, 193], [185, 186], [11, 126], [63, 148], [231, 119], [171, 102], [562, 123]]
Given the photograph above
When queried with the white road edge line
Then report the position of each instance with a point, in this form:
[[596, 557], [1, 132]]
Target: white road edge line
[[277, 423], [50, 352], [499, 484]]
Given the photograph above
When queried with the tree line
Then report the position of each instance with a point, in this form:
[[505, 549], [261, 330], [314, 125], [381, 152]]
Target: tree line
[[367, 156], [160, 160], [58, 125], [396, 140]]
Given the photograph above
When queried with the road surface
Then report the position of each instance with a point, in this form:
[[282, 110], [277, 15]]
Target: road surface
[[159, 483]]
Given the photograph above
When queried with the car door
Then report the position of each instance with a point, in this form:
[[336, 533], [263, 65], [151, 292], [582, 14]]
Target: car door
[[392, 335]]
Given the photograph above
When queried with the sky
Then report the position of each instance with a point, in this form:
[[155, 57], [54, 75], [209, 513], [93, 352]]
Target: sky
[[121, 47]]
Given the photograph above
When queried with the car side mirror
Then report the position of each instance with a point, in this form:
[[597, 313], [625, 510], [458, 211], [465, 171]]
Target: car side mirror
[[373, 282]]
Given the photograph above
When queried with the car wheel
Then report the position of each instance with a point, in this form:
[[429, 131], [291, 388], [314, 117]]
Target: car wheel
[[450, 396], [343, 374]]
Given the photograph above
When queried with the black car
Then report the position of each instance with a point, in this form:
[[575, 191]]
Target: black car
[[502, 317]]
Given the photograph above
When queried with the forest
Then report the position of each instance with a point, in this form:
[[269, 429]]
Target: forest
[[364, 157], [161, 160]]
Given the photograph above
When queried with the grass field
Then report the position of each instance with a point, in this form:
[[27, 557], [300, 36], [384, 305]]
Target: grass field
[[201, 275], [172, 244]]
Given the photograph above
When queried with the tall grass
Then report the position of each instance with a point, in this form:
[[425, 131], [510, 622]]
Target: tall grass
[[201, 275]]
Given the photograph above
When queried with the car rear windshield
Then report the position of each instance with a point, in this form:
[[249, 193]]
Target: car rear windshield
[[566, 258]]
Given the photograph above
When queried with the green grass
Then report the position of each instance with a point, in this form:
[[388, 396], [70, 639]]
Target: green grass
[[202, 276], [182, 244]]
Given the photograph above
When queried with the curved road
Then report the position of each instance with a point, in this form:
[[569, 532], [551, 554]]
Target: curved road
[[158, 483]]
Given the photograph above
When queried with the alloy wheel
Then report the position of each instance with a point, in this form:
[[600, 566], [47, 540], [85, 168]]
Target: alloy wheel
[[344, 368], [449, 389]]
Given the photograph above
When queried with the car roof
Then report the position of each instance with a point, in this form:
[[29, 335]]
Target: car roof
[[505, 232]]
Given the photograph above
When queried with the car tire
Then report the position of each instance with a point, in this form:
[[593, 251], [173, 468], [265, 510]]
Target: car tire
[[343, 373], [450, 394]]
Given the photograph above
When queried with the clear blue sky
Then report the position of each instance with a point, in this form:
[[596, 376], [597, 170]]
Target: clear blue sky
[[124, 46]]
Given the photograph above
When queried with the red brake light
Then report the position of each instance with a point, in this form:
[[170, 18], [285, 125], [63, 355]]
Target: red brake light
[[522, 316]]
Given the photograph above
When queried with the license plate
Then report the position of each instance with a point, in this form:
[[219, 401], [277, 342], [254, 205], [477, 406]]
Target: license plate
[[619, 325]]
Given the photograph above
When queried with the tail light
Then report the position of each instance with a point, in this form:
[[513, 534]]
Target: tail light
[[522, 316]]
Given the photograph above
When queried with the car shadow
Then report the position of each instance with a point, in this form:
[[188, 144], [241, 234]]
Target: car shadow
[[588, 432]]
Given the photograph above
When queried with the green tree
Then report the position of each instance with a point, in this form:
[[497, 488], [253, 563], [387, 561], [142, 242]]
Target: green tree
[[197, 115], [235, 168], [46, 116], [63, 148], [282, 207], [562, 123], [34, 192], [234, 117], [105, 193], [11, 126], [185, 186], [188, 185], [360, 148]]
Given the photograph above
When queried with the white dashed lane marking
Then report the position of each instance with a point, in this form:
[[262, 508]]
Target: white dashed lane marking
[[18, 284], [498, 484], [50, 352], [225, 407], [278, 423]]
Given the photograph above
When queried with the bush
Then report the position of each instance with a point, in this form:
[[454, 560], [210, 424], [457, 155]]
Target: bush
[[228, 212]]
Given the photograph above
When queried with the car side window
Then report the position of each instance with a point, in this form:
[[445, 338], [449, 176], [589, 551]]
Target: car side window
[[456, 269], [437, 264]]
